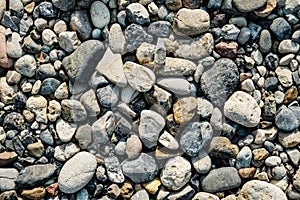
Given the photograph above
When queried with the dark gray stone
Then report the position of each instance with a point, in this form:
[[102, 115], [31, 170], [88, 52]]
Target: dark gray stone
[[14, 121], [46, 9], [219, 82], [49, 85], [81, 23], [281, 28], [64, 5]]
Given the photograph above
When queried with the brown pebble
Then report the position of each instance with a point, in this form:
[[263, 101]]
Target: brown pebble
[[5, 62], [227, 49], [36, 193], [52, 189], [290, 95], [247, 172], [184, 109], [29, 116], [113, 191], [7, 157]]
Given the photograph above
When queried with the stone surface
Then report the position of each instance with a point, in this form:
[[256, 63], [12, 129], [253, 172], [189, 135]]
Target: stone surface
[[73, 110], [176, 173], [38, 105], [77, 172], [64, 5], [137, 13], [242, 109], [286, 120], [65, 130], [139, 77], [142, 169], [226, 177], [81, 23], [177, 86], [26, 65], [184, 109], [260, 189], [100, 14], [35, 175], [244, 6], [8, 177], [177, 67], [151, 124], [219, 82], [191, 22]]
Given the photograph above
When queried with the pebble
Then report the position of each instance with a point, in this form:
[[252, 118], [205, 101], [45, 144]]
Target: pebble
[[77, 172], [62, 91], [151, 124], [46, 9], [68, 41], [160, 29], [7, 158], [268, 8], [78, 63], [286, 120], [244, 6], [205, 196], [108, 96], [281, 28], [290, 139], [100, 14], [273, 161], [140, 78], [116, 39], [226, 177], [13, 46], [60, 27], [111, 67], [114, 170], [221, 147], [65, 130], [191, 21], [8, 178], [36, 149], [265, 41], [168, 141], [141, 194], [244, 158], [294, 156], [133, 147], [176, 173], [7, 92], [2, 8], [35, 193], [260, 189], [126, 190], [178, 86], [186, 192], [84, 136], [34, 175], [38, 105], [152, 186], [242, 109], [103, 127], [202, 164], [296, 180], [73, 110], [142, 169], [184, 109], [217, 90], [81, 23], [137, 13], [177, 67], [195, 137], [4, 60], [49, 86], [64, 5], [26, 65]]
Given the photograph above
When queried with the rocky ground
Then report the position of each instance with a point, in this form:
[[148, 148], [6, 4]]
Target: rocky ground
[[149, 99]]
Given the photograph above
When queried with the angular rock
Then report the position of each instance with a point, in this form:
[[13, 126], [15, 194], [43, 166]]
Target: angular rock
[[114, 170], [77, 172], [108, 96], [221, 147], [73, 110], [219, 82], [142, 169], [137, 13], [103, 128], [242, 109], [89, 101], [139, 77]]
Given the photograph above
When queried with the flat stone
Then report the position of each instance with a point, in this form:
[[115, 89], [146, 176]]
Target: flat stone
[[242, 109], [244, 6], [139, 77], [8, 177], [77, 172], [195, 137], [177, 86], [191, 21], [151, 124], [184, 109], [226, 177], [84, 136], [205, 196], [219, 82], [142, 169], [177, 67], [176, 173], [35, 175], [7, 158], [100, 14], [111, 67], [260, 189]]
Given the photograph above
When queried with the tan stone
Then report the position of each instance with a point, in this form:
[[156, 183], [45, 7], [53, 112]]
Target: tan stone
[[7, 158], [267, 9], [184, 109], [152, 186], [247, 172], [36, 193]]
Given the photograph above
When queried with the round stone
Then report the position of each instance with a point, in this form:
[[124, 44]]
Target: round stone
[[248, 6], [100, 14], [286, 120], [26, 65], [176, 173], [242, 109], [77, 172]]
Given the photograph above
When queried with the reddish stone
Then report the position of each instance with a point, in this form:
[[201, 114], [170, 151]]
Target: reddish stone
[[5, 62], [227, 49], [52, 189]]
